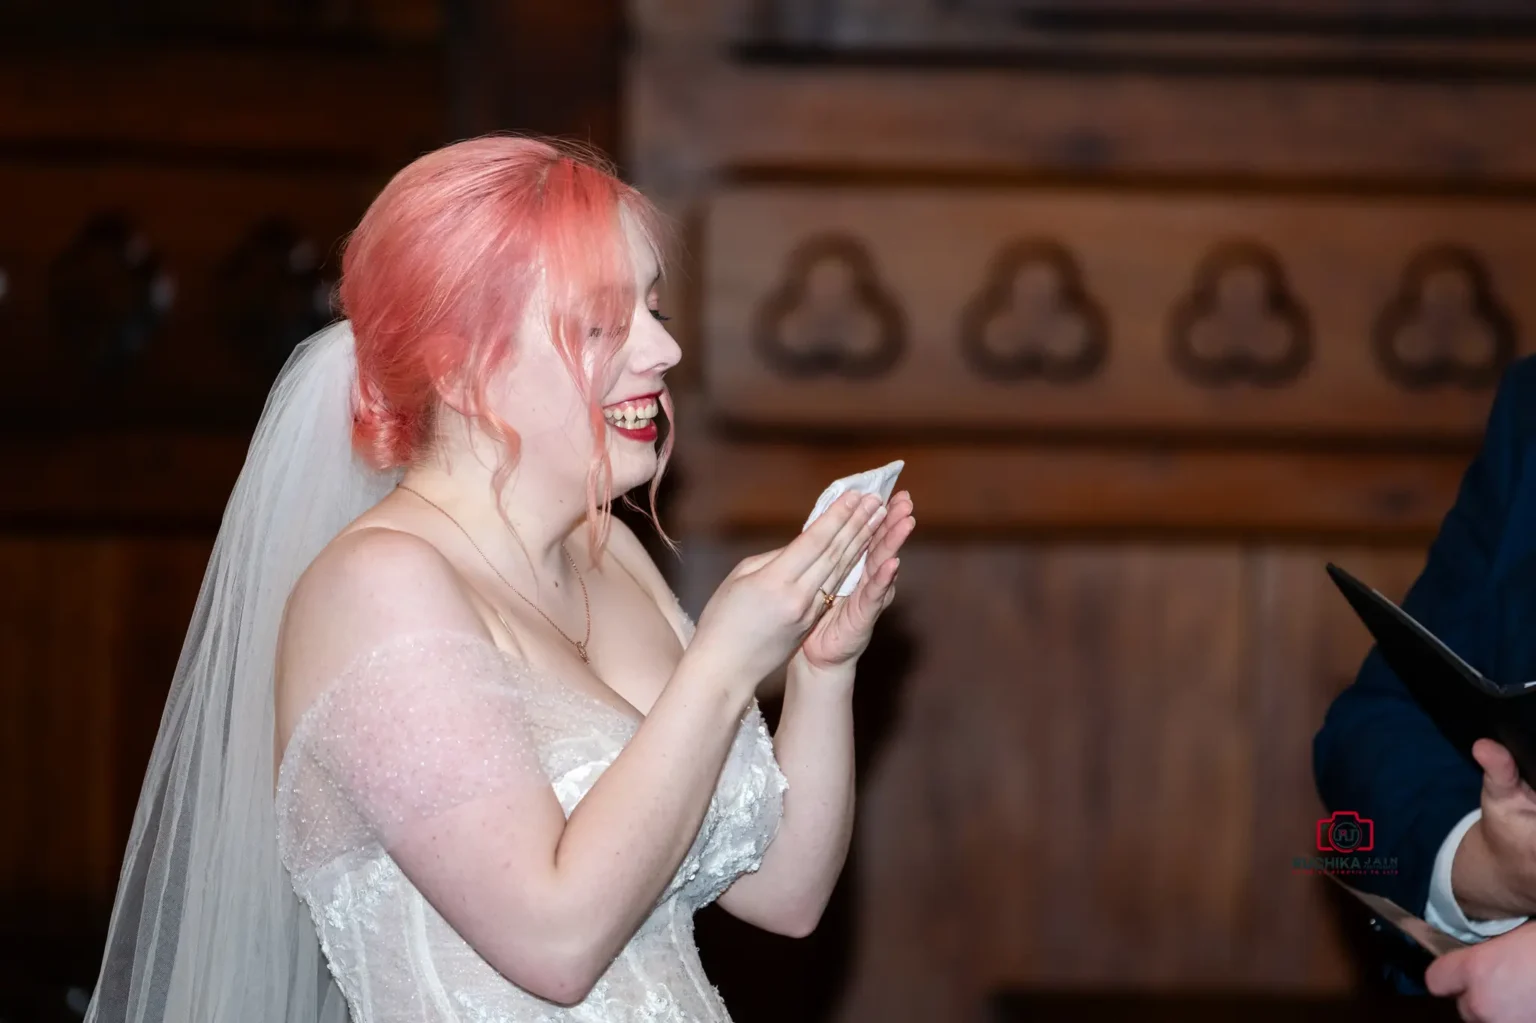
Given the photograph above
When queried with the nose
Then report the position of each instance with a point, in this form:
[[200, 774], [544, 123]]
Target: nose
[[652, 348]]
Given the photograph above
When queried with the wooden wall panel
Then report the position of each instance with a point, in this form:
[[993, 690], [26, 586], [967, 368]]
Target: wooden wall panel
[[1346, 14], [1096, 772], [57, 769], [356, 107], [1117, 619], [549, 68], [177, 181], [1304, 647], [1113, 310], [226, 148], [190, 225], [698, 117], [1319, 35], [86, 627], [270, 20], [695, 116], [1034, 486], [128, 480]]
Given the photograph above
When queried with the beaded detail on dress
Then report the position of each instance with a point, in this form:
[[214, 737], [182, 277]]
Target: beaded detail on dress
[[433, 721]]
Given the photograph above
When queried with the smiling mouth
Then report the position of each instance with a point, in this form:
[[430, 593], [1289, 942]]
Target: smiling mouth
[[635, 414]]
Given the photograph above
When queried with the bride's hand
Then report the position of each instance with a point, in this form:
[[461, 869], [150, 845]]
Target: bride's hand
[[843, 632], [762, 610]]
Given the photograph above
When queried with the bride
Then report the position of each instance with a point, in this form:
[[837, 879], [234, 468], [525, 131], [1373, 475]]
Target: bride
[[441, 744]]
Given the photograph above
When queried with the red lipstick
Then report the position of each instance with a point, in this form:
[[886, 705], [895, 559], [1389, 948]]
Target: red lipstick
[[643, 433]]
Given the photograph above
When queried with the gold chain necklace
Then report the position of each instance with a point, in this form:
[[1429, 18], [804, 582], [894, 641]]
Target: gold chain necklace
[[581, 647]]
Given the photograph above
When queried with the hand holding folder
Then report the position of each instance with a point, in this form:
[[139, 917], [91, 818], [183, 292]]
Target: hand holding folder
[[1463, 703]]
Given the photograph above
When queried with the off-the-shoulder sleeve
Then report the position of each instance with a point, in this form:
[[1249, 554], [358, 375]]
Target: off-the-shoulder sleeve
[[415, 728]]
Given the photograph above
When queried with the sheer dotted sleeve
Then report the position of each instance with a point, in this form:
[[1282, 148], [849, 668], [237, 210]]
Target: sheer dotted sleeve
[[413, 729]]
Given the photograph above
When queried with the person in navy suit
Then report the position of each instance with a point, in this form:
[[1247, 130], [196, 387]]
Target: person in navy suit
[[1463, 833]]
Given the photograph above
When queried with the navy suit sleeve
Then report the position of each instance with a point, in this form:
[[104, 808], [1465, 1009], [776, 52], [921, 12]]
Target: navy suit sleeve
[[1378, 753]]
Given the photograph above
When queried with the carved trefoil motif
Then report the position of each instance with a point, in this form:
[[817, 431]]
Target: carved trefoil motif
[[1445, 326], [1034, 319], [271, 293], [1240, 323], [830, 314], [109, 294]]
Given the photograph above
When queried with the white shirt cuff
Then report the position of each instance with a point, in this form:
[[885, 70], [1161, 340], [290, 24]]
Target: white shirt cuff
[[1442, 912]]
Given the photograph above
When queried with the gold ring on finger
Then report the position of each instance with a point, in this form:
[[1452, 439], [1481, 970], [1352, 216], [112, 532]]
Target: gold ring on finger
[[826, 599]]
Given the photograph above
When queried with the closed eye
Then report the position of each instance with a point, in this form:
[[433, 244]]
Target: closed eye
[[656, 313]]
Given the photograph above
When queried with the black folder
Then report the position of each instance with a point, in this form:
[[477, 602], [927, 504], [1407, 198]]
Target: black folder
[[1465, 704]]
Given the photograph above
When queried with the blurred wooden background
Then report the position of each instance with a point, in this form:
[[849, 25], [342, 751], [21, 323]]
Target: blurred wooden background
[[1164, 302]]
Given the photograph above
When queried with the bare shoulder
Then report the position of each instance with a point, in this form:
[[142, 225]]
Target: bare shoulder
[[368, 586], [379, 577]]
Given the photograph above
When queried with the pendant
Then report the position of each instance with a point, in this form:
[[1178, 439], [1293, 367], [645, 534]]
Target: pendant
[[581, 648]]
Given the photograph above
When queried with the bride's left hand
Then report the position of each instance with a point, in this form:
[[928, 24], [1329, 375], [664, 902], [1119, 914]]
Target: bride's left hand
[[842, 634]]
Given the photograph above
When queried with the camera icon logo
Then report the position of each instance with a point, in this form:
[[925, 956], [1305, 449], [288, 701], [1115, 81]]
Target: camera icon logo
[[1345, 831]]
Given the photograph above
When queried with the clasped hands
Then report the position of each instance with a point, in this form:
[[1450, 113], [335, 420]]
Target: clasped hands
[[843, 633], [776, 604]]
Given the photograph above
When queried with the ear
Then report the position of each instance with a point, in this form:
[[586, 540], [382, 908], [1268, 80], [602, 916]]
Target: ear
[[451, 379], [453, 392]]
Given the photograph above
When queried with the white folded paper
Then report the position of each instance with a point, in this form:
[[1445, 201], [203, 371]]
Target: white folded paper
[[880, 481]]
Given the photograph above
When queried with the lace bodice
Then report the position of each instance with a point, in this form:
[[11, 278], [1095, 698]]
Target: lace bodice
[[432, 722]]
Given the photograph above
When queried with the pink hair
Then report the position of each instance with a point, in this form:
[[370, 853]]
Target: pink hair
[[438, 274]]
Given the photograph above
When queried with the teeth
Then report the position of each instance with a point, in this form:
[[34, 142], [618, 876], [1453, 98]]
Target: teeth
[[631, 414]]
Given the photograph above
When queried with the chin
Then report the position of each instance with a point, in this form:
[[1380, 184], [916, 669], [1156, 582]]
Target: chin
[[632, 469]]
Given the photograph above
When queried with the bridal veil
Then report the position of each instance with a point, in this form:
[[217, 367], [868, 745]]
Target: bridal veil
[[206, 926]]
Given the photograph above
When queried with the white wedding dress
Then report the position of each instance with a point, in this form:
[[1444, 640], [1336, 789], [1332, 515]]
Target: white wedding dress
[[433, 721]]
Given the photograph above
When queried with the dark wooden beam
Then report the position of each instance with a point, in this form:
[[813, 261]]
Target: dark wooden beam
[[538, 67]]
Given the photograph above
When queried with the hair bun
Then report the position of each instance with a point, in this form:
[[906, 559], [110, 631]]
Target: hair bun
[[384, 435]]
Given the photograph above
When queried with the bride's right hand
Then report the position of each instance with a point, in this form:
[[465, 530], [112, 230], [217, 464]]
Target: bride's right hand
[[763, 609]]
